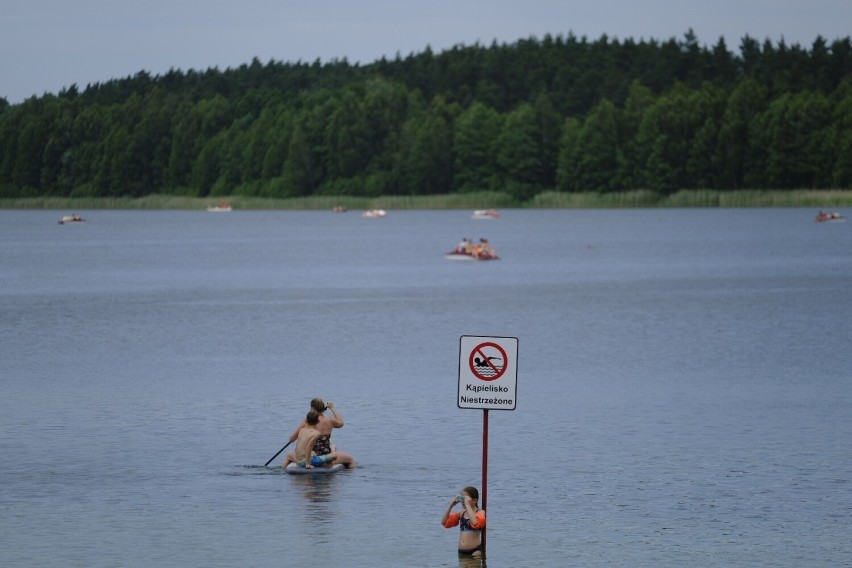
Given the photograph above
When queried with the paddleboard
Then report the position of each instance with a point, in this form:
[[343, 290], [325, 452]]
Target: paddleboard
[[298, 470]]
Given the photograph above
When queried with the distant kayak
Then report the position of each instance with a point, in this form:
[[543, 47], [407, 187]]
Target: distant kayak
[[834, 216], [485, 214], [68, 219]]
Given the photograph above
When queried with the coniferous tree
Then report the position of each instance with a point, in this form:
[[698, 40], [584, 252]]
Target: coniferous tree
[[598, 149], [841, 137], [567, 178], [475, 141]]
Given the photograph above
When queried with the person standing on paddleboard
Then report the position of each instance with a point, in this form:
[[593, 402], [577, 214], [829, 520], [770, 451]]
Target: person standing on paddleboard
[[325, 426], [470, 520]]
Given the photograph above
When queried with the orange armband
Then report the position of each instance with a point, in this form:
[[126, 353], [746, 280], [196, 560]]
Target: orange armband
[[479, 520], [452, 520]]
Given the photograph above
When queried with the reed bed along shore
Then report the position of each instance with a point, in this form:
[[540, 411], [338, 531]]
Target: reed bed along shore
[[548, 200]]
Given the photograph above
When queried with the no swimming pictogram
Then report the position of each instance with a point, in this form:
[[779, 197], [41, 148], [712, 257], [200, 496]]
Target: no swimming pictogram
[[488, 361]]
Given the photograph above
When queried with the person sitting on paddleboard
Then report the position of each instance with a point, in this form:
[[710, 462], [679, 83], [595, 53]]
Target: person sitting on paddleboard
[[305, 442], [471, 521], [325, 426]]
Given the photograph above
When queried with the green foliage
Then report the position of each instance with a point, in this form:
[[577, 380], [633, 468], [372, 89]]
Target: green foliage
[[424, 161], [841, 138], [794, 127], [520, 120], [597, 149], [475, 143]]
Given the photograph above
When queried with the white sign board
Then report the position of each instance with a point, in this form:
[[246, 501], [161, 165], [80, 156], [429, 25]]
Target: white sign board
[[488, 372]]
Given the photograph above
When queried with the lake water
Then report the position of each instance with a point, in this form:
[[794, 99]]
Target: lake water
[[684, 387]]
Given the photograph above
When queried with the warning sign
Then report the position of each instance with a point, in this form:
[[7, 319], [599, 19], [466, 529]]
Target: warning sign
[[488, 361], [488, 372]]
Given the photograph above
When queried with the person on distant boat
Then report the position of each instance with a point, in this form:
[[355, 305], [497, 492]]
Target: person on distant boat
[[325, 426], [485, 248], [462, 246], [470, 520], [306, 445]]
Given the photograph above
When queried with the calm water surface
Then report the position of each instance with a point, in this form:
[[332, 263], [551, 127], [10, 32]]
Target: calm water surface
[[684, 387]]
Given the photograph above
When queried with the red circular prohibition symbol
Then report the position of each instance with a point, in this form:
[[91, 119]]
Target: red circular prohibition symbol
[[487, 368]]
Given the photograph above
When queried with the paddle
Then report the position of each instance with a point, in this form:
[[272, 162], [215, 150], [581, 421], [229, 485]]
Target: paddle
[[276, 455]]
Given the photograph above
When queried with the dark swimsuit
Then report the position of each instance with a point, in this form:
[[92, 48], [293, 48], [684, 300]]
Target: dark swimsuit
[[464, 526], [323, 445], [469, 552]]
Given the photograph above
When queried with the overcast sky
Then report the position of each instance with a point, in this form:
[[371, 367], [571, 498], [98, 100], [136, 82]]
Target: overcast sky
[[47, 45]]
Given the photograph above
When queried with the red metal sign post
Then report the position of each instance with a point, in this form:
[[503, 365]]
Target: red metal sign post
[[484, 471]]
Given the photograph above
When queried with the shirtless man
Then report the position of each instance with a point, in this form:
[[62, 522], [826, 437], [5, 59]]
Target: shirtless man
[[305, 455], [325, 426]]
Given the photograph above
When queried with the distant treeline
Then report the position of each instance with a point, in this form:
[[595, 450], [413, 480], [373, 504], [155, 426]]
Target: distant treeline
[[554, 114]]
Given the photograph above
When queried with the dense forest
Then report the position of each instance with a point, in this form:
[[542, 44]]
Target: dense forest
[[558, 113]]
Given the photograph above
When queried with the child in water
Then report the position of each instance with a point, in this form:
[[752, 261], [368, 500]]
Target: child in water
[[471, 521]]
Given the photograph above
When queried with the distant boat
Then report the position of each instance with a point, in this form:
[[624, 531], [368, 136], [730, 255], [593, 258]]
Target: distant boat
[[834, 216], [470, 251], [222, 207], [485, 214], [338, 209], [374, 213], [68, 219]]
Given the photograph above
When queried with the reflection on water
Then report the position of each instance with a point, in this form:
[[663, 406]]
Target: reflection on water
[[316, 488], [470, 562], [320, 505]]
